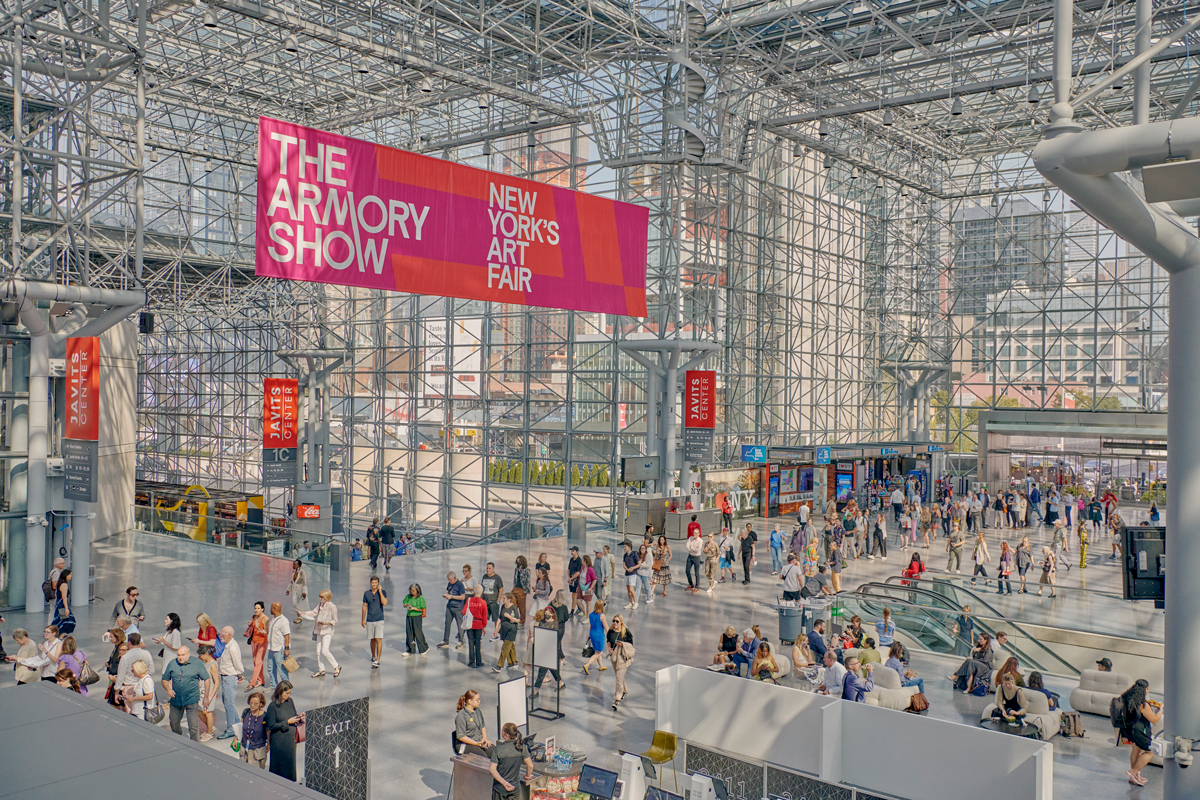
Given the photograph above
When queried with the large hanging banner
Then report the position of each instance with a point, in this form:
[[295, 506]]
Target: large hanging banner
[[699, 415], [81, 419], [333, 209], [281, 411]]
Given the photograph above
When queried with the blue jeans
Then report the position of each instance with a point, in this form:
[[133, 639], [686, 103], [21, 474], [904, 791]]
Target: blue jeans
[[229, 700], [917, 682], [776, 558], [645, 582], [275, 671]]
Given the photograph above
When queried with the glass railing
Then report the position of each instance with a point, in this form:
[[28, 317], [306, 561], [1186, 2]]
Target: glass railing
[[268, 538], [1075, 609]]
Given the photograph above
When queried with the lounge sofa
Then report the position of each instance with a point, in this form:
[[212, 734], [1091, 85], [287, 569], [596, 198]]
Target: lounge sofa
[[1097, 689], [1048, 722]]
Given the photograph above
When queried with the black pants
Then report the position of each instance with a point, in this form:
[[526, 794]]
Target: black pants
[[454, 615], [746, 557], [413, 633], [880, 545], [493, 610], [693, 563], [727, 520], [474, 655], [542, 675], [1001, 583], [896, 509], [374, 557], [979, 570]]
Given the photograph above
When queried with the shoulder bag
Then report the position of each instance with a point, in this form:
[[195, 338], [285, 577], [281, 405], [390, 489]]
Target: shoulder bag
[[299, 732], [87, 675]]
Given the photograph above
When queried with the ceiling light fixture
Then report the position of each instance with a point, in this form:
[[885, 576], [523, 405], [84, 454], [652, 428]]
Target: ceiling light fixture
[[995, 201], [823, 128], [1035, 96], [797, 150], [534, 117], [362, 68], [290, 44], [483, 102], [888, 119], [1046, 196], [210, 19], [956, 110], [879, 182], [487, 147], [426, 85], [153, 156], [854, 173], [828, 162]]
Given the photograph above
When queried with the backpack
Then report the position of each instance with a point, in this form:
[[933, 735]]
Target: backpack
[[917, 704], [1071, 724], [48, 590], [980, 690], [218, 647], [1116, 713]]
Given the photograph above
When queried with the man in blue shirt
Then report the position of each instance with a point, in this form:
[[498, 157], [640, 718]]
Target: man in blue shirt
[[374, 599], [816, 639], [182, 680], [456, 595], [746, 651], [854, 688], [1035, 499]]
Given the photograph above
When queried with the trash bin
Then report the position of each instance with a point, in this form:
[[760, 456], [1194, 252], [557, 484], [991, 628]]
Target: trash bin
[[791, 623], [339, 556], [814, 608]]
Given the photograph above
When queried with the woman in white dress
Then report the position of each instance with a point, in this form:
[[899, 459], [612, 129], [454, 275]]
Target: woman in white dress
[[298, 591], [171, 640]]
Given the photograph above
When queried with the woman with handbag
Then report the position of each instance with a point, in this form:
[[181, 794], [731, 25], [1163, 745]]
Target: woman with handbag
[[298, 590], [587, 585], [64, 620], [284, 728], [414, 616], [596, 637], [661, 567], [254, 731], [620, 654], [70, 657], [120, 648], [324, 617], [140, 695], [256, 637]]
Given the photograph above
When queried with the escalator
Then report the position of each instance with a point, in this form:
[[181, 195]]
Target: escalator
[[926, 620]]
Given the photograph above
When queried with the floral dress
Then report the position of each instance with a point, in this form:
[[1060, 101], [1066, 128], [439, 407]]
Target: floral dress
[[810, 559], [662, 575]]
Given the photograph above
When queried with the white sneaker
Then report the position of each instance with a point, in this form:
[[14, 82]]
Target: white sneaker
[[883, 558], [630, 605], [650, 602], [406, 654], [635, 605], [871, 557]]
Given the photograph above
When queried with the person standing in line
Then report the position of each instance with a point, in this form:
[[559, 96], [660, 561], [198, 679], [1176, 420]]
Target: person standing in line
[[298, 591], [183, 681], [136, 652], [414, 617], [979, 557], [477, 607], [522, 585], [62, 602], [574, 573], [456, 597], [630, 563], [776, 543], [712, 554], [230, 668], [373, 545], [620, 655], [374, 601], [281, 721], [254, 731], [170, 641], [325, 618], [256, 632], [509, 621], [208, 699], [141, 696], [748, 540], [129, 606], [387, 542], [468, 580], [493, 587], [597, 633], [279, 646], [507, 758]]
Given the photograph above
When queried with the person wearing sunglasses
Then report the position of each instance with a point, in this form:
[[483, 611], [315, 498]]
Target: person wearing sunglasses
[[129, 606]]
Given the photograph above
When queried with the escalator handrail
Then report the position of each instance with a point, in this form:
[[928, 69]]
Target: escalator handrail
[[1012, 647]]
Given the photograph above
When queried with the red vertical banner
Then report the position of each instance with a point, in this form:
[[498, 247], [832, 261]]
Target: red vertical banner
[[83, 389], [700, 399], [281, 407]]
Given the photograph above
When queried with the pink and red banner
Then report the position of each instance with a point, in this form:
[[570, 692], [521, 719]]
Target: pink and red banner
[[281, 412], [82, 418], [700, 399], [333, 209]]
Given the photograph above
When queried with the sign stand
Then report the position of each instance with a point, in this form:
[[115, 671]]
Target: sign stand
[[545, 656], [335, 750]]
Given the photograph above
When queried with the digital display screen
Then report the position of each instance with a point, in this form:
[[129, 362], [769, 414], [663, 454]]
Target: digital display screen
[[597, 782]]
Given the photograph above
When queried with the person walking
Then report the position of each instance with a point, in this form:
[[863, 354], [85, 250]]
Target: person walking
[[375, 600], [414, 617], [695, 558], [522, 585], [574, 573], [542, 588], [620, 655], [387, 543], [748, 539], [279, 646], [879, 538], [254, 731], [1062, 543], [510, 619], [980, 556], [1140, 715], [298, 590], [776, 545], [712, 553], [325, 618], [456, 598], [588, 582], [493, 587], [954, 546], [610, 574], [477, 607], [229, 667], [726, 513], [256, 633], [373, 545], [208, 700], [64, 620], [1007, 560], [281, 721], [1024, 561], [183, 681], [1049, 571], [597, 637]]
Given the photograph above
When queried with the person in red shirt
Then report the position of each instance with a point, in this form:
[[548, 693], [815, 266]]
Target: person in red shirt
[[478, 609], [726, 513], [915, 568], [687, 505]]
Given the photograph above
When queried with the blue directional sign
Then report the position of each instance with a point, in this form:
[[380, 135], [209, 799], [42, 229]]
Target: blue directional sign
[[890, 451], [824, 455], [754, 453], [935, 448]]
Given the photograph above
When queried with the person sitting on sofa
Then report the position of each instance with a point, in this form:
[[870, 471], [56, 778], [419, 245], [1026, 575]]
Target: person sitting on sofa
[[1104, 665], [834, 673], [1035, 685], [801, 655], [907, 676], [855, 633], [746, 651], [977, 668], [816, 639], [1010, 701], [854, 686], [727, 647], [764, 666], [868, 654], [1011, 667]]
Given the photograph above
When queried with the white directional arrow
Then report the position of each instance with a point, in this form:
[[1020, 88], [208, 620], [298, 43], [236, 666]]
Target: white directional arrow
[[337, 758]]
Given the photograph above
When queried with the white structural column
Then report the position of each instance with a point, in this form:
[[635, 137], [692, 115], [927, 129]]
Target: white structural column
[[1092, 167], [39, 443]]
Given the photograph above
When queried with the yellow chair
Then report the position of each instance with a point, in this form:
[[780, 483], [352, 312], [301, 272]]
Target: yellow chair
[[662, 749]]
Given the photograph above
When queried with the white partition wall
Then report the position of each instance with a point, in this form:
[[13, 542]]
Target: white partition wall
[[852, 744]]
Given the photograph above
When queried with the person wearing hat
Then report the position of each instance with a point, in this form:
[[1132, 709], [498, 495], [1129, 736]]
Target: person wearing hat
[[1105, 665], [574, 570]]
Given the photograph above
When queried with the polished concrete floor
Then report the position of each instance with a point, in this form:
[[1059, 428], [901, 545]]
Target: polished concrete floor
[[412, 700]]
